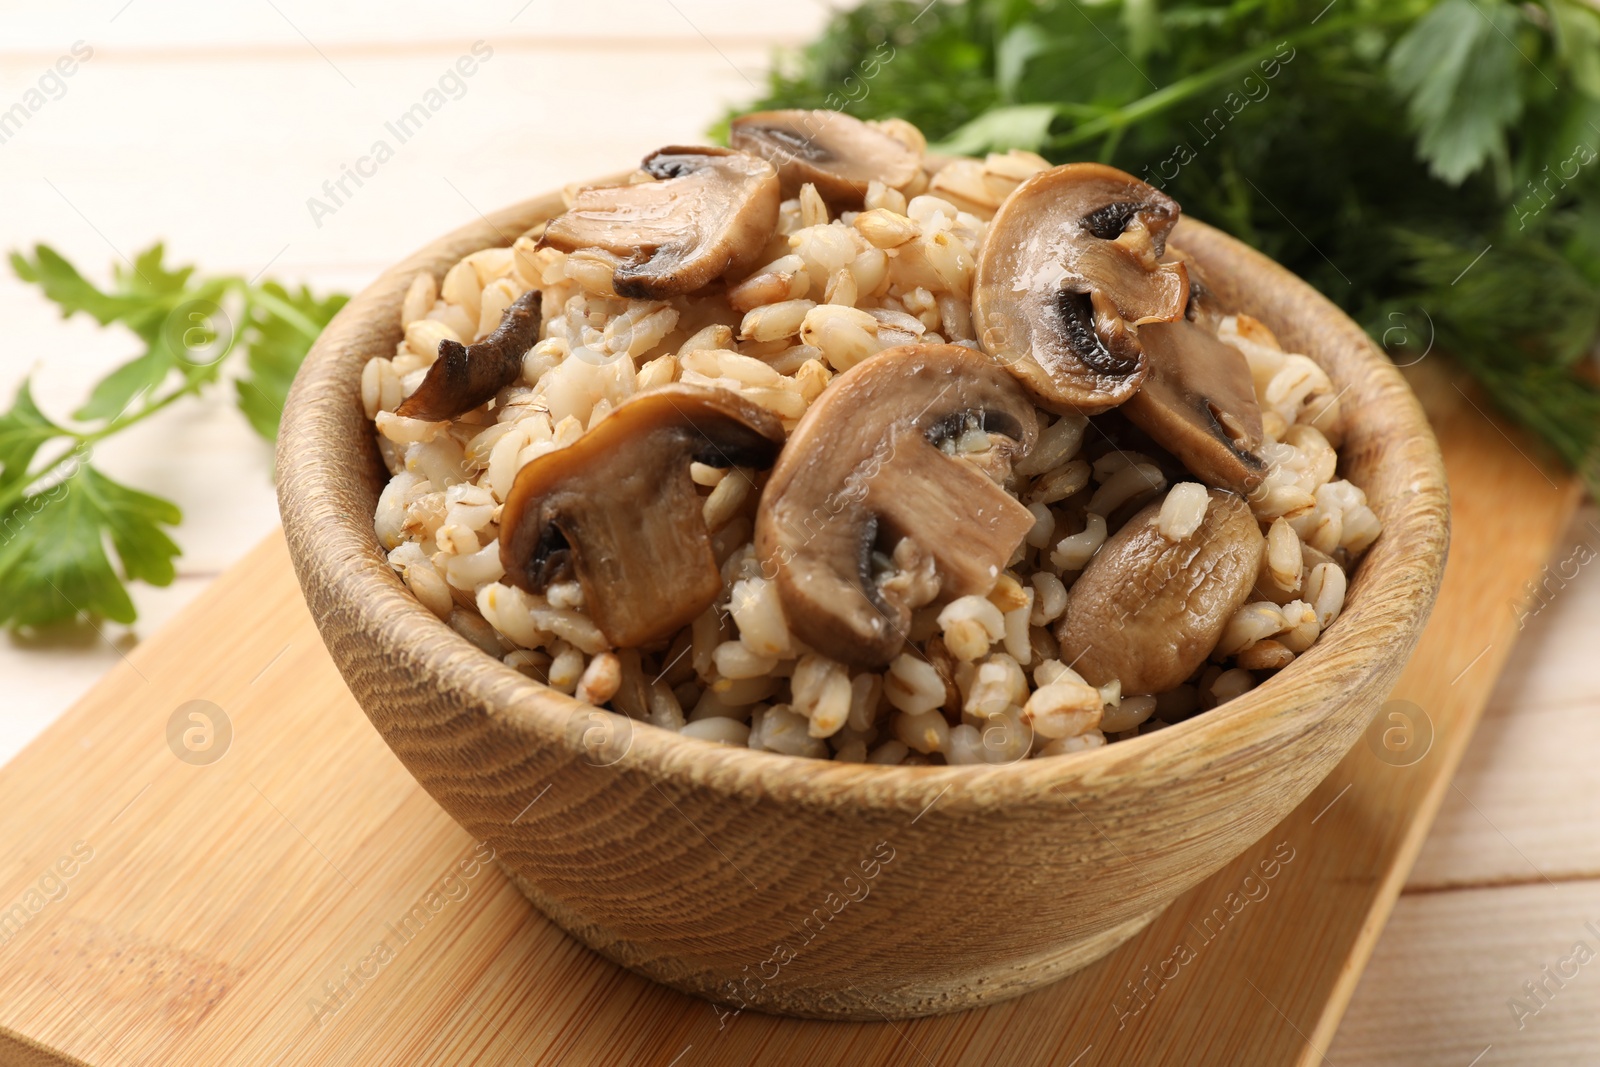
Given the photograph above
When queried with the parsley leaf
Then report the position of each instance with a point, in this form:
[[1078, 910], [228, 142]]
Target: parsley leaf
[[71, 539], [53, 560], [69, 290], [113, 393], [1577, 39], [1020, 126], [23, 430], [280, 337], [1456, 69]]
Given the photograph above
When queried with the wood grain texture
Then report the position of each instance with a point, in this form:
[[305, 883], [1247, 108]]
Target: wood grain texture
[[1069, 855], [1526, 802], [1443, 1005], [277, 869]]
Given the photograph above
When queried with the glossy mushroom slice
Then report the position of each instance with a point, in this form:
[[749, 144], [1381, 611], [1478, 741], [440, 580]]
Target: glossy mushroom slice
[[1148, 610], [709, 212], [837, 153], [464, 376], [1205, 305], [1199, 403], [1070, 269], [863, 474], [617, 509]]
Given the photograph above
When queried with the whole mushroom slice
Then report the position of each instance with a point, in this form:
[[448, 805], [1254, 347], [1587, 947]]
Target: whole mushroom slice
[[1148, 610], [1071, 268], [1199, 403], [617, 509], [464, 376], [863, 472], [709, 212], [837, 153]]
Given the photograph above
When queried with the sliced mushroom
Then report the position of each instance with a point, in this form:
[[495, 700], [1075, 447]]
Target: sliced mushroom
[[1205, 305], [862, 473], [710, 212], [464, 376], [1147, 610], [837, 153], [617, 509], [1199, 403], [1070, 270]]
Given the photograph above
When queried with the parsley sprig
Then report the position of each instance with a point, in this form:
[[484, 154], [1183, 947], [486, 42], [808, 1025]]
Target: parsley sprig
[[1433, 166], [71, 538]]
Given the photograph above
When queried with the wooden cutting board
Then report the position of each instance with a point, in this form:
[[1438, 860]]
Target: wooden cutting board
[[234, 888]]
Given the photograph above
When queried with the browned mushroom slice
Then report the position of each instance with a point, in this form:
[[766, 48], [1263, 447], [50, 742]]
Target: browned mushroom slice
[[710, 212], [464, 376], [617, 510], [862, 472], [1148, 610], [837, 153], [1205, 305], [1199, 403], [1070, 269]]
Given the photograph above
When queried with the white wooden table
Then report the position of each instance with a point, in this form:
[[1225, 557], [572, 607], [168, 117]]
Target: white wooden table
[[211, 126]]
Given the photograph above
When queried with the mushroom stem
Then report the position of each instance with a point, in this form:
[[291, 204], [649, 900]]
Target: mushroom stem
[[861, 473], [956, 514]]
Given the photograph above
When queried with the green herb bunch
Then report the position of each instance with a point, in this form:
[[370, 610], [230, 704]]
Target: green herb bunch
[[61, 520], [1433, 166]]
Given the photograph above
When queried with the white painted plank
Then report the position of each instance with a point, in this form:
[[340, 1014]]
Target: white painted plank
[[1525, 804], [351, 26], [1445, 987], [224, 159]]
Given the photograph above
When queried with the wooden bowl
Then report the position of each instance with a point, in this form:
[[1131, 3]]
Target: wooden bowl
[[836, 890]]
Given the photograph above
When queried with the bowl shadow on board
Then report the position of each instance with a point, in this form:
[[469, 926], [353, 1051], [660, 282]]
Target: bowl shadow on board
[[844, 891]]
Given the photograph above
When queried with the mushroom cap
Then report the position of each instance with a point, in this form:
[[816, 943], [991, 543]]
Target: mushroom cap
[[1148, 611], [618, 510], [837, 153], [1198, 402], [1070, 269], [464, 376], [862, 470], [710, 212]]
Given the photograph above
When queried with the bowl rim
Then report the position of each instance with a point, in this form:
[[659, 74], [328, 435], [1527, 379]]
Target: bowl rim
[[343, 570]]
